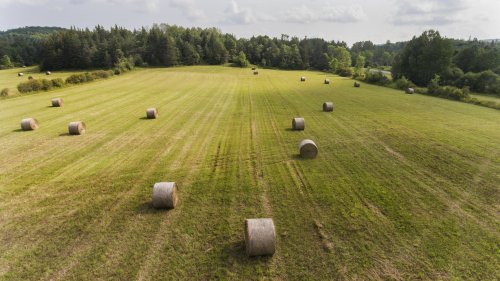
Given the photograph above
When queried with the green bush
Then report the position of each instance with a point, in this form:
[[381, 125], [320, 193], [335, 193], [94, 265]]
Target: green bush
[[403, 83], [5, 92], [57, 82], [449, 92], [377, 77], [102, 74], [76, 78], [30, 86], [344, 71], [46, 84]]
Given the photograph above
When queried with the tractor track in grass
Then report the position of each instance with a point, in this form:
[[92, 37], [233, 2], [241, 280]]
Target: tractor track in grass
[[159, 240], [151, 157], [149, 170]]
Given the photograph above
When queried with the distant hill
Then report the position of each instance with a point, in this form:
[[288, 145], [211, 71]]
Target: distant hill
[[22, 45], [32, 31]]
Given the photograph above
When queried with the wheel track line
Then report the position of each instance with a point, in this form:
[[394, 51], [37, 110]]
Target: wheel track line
[[124, 196], [144, 272]]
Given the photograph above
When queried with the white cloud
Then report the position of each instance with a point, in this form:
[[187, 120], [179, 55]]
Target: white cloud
[[324, 13], [188, 8], [428, 12], [239, 15], [23, 2]]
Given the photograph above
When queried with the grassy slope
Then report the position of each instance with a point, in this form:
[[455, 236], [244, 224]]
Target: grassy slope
[[404, 187]]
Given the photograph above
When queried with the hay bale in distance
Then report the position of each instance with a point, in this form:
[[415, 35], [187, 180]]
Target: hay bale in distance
[[260, 237], [327, 81], [328, 106], [302, 79], [57, 102], [254, 68], [48, 73], [30, 78], [357, 84], [77, 128], [308, 149], [151, 113], [255, 73], [298, 123], [410, 91], [165, 195], [20, 74], [28, 124]]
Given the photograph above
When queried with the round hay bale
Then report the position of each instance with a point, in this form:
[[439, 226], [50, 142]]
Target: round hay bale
[[357, 84], [410, 91], [308, 149], [20, 74], [255, 73], [165, 195], [48, 73], [254, 68], [28, 124], [57, 102], [327, 81], [328, 106], [298, 123], [77, 128], [30, 78], [302, 79], [151, 113], [260, 237]]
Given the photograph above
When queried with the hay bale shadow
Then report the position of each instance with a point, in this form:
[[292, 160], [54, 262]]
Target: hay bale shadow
[[236, 250], [18, 130], [65, 135], [147, 208], [145, 118], [289, 129]]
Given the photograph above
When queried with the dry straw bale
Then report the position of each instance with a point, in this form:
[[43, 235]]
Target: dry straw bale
[[20, 74], [302, 79], [410, 90], [165, 195], [357, 84], [28, 124], [298, 123], [327, 81], [308, 149], [77, 128], [260, 237], [328, 106], [255, 73], [48, 73], [151, 113], [57, 102], [254, 68]]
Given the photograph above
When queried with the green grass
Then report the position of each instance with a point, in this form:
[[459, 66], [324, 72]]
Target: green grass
[[405, 187]]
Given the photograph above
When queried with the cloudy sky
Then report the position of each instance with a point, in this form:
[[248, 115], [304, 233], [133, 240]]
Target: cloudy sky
[[347, 20]]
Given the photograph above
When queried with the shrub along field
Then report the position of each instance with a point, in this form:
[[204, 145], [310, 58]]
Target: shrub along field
[[404, 186]]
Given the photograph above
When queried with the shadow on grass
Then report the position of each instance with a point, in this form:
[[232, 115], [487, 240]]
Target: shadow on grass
[[146, 118], [147, 208], [236, 250], [19, 130], [289, 130], [65, 135]]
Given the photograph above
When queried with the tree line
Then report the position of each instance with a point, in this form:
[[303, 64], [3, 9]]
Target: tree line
[[458, 63]]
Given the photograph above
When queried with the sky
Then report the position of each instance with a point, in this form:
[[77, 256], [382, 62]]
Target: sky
[[342, 20]]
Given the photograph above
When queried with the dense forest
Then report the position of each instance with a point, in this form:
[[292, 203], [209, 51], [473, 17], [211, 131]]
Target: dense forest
[[473, 64]]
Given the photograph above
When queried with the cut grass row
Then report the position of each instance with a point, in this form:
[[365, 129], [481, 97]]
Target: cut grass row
[[404, 186]]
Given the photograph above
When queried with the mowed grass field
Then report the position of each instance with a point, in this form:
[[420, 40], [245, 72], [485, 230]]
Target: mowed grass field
[[405, 187]]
